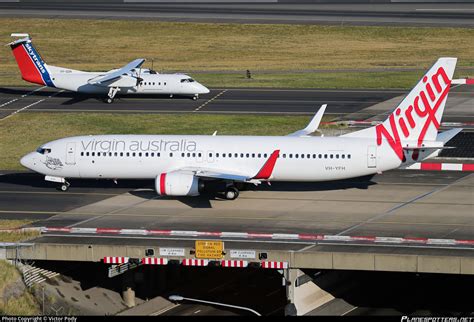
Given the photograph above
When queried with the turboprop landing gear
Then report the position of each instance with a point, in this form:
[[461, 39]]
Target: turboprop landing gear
[[64, 186], [231, 193], [112, 92], [195, 97]]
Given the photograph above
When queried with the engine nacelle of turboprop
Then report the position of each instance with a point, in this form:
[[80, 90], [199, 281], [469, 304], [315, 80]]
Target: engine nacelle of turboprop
[[177, 184]]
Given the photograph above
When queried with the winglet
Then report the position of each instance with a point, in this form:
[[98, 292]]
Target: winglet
[[313, 124], [267, 169]]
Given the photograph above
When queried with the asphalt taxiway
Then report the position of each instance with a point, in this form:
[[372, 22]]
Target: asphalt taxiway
[[410, 14], [343, 104]]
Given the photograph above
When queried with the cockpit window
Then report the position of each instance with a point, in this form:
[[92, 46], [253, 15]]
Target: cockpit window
[[43, 150], [187, 80]]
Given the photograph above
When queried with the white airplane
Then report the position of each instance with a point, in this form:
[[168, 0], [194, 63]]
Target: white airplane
[[130, 79], [184, 165]]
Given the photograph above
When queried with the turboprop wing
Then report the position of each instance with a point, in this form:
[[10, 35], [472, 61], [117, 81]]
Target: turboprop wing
[[312, 125], [118, 73]]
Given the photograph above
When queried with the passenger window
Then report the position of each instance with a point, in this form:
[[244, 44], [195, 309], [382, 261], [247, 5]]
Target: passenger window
[[348, 156], [182, 154], [343, 156], [194, 155], [325, 156], [171, 154], [134, 154], [253, 155], [188, 154], [140, 154], [264, 155], [98, 154], [146, 154], [284, 155], [308, 156], [82, 154], [314, 156], [241, 155], [247, 155], [93, 154], [210, 155], [115, 154], [152, 154], [199, 154], [158, 154], [217, 155], [259, 155], [296, 156], [87, 153], [291, 155], [121, 154], [330, 156]]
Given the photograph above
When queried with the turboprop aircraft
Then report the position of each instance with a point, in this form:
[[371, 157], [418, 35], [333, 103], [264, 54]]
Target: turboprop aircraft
[[130, 79], [186, 165]]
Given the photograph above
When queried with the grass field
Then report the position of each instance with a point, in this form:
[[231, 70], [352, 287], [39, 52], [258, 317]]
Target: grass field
[[24, 304], [107, 44], [24, 132], [15, 236]]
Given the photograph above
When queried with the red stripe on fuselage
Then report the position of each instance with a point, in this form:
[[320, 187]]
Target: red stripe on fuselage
[[267, 169], [163, 184], [29, 71]]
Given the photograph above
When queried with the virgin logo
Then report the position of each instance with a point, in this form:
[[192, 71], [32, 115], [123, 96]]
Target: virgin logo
[[425, 105]]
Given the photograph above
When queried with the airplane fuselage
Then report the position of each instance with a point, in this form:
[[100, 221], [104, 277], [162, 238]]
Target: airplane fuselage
[[164, 84], [146, 156]]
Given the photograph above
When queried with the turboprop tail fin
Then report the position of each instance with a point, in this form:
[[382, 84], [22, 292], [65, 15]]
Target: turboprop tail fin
[[32, 67]]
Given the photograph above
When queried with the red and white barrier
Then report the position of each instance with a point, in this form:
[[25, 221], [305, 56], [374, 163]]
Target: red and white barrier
[[430, 166], [264, 236], [195, 262], [463, 81], [154, 261], [115, 260], [234, 263], [274, 265]]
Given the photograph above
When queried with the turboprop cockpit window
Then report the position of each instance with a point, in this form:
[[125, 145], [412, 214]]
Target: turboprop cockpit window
[[187, 80], [43, 150]]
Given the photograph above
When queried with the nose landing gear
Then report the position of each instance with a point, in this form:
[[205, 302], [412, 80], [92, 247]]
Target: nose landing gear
[[64, 186], [195, 97]]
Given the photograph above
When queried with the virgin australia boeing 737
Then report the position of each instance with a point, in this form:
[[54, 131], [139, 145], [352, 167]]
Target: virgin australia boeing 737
[[130, 79], [184, 165]]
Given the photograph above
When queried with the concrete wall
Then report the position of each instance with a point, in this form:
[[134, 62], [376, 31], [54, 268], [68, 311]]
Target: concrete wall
[[367, 261]]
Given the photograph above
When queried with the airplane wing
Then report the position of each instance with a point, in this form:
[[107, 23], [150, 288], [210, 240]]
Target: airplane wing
[[118, 73], [313, 125], [264, 173]]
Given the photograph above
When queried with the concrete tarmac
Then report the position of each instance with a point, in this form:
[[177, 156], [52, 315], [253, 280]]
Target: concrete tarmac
[[399, 203]]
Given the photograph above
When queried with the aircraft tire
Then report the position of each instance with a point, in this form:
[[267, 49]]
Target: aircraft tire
[[231, 193]]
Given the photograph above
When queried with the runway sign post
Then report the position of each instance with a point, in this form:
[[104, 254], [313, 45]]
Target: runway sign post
[[209, 249]]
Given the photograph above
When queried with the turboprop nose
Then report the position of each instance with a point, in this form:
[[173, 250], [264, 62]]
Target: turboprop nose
[[202, 89], [28, 161]]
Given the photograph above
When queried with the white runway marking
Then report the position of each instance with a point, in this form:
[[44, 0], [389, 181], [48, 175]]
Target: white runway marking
[[32, 104], [22, 96], [202, 105]]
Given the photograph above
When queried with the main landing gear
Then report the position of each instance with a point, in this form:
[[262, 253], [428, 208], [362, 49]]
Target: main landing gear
[[112, 92], [231, 193]]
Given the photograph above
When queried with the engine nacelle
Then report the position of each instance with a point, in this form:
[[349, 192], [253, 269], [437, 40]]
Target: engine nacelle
[[177, 184]]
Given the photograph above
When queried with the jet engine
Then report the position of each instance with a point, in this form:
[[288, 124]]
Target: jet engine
[[177, 184]]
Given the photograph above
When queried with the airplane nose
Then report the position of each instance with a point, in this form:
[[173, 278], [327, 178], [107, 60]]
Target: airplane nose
[[203, 89], [27, 161]]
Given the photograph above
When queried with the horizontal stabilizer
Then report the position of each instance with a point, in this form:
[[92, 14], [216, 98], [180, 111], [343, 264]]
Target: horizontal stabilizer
[[313, 125], [447, 135]]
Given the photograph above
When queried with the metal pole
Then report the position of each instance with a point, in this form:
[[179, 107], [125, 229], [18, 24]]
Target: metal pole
[[180, 298], [43, 298]]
